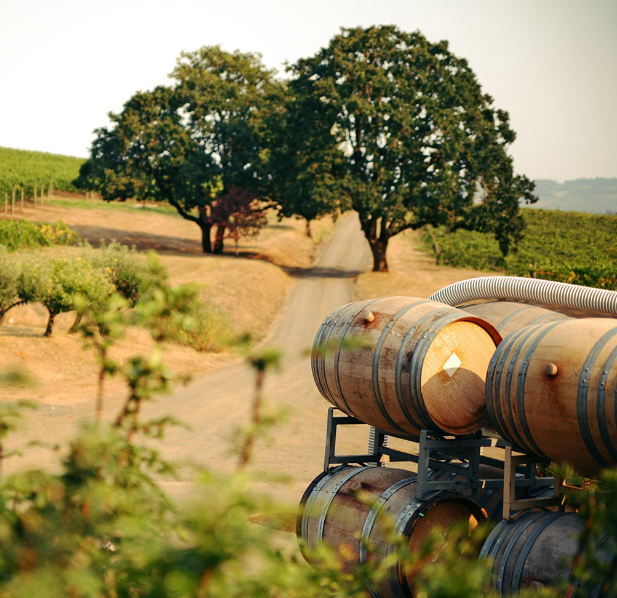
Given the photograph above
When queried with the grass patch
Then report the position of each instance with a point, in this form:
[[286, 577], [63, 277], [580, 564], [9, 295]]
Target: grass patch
[[119, 206]]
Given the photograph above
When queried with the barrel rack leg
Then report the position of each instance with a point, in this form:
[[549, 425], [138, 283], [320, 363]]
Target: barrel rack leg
[[331, 458], [510, 503], [377, 440], [378, 452]]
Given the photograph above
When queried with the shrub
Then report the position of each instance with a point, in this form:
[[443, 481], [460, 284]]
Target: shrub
[[22, 234], [127, 270], [212, 330], [10, 268], [55, 283]]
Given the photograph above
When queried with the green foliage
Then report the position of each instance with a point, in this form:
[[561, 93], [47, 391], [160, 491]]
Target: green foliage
[[27, 168], [101, 527], [306, 170], [60, 280], [90, 276], [418, 140], [128, 271], [596, 560], [564, 246], [212, 332], [9, 282], [20, 234], [190, 143]]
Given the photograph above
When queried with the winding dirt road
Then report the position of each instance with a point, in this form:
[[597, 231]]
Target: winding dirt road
[[218, 403]]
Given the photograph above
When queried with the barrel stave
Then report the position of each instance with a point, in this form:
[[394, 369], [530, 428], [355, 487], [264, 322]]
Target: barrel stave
[[358, 512], [389, 363], [551, 392], [533, 549]]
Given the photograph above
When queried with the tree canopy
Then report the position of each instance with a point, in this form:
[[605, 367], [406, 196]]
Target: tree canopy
[[381, 121], [306, 170], [191, 142], [420, 143]]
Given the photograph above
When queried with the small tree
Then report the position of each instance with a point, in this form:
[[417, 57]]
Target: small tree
[[56, 282], [128, 271], [10, 268], [237, 214]]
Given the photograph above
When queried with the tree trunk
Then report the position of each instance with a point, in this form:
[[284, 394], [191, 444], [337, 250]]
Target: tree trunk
[[378, 248], [75, 325], [3, 313], [309, 232], [206, 245], [50, 324], [219, 239], [436, 247]]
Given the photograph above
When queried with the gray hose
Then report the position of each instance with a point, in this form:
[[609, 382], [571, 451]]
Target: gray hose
[[533, 290]]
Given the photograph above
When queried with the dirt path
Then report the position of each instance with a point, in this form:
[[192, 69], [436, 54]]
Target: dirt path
[[218, 403]]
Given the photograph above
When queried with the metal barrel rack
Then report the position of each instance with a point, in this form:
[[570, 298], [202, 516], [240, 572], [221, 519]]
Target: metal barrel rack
[[457, 457]]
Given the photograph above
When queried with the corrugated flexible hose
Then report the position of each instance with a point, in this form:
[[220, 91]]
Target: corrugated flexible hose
[[533, 290]]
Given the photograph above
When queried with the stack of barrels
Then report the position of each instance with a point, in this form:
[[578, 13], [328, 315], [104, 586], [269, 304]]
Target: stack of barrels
[[542, 381]]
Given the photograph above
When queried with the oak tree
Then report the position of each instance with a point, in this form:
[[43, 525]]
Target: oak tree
[[421, 143], [188, 143]]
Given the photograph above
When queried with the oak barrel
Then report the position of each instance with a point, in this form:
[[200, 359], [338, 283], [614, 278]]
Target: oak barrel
[[403, 364], [532, 551], [361, 513], [550, 391], [508, 316]]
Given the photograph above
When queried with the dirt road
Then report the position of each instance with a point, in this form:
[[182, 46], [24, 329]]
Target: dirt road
[[216, 404]]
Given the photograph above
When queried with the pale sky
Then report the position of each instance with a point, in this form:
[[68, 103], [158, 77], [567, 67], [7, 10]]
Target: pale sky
[[552, 64]]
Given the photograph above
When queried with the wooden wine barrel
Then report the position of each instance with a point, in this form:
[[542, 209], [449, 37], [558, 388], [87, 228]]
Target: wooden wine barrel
[[532, 551], [551, 392], [508, 316], [403, 364], [354, 511]]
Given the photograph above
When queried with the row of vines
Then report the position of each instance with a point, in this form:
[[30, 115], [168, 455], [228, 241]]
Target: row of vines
[[26, 170], [570, 247]]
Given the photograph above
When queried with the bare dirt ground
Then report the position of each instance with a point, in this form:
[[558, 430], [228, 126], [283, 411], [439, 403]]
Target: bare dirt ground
[[256, 286], [280, 288]]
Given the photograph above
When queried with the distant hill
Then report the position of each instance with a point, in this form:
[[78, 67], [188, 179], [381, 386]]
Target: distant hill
[[597, 195]]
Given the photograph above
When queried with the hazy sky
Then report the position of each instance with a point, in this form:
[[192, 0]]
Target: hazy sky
[[552, 64]]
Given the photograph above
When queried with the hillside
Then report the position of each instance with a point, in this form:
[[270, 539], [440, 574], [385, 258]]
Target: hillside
[[26, 169], [557, 245], [581, 195]]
